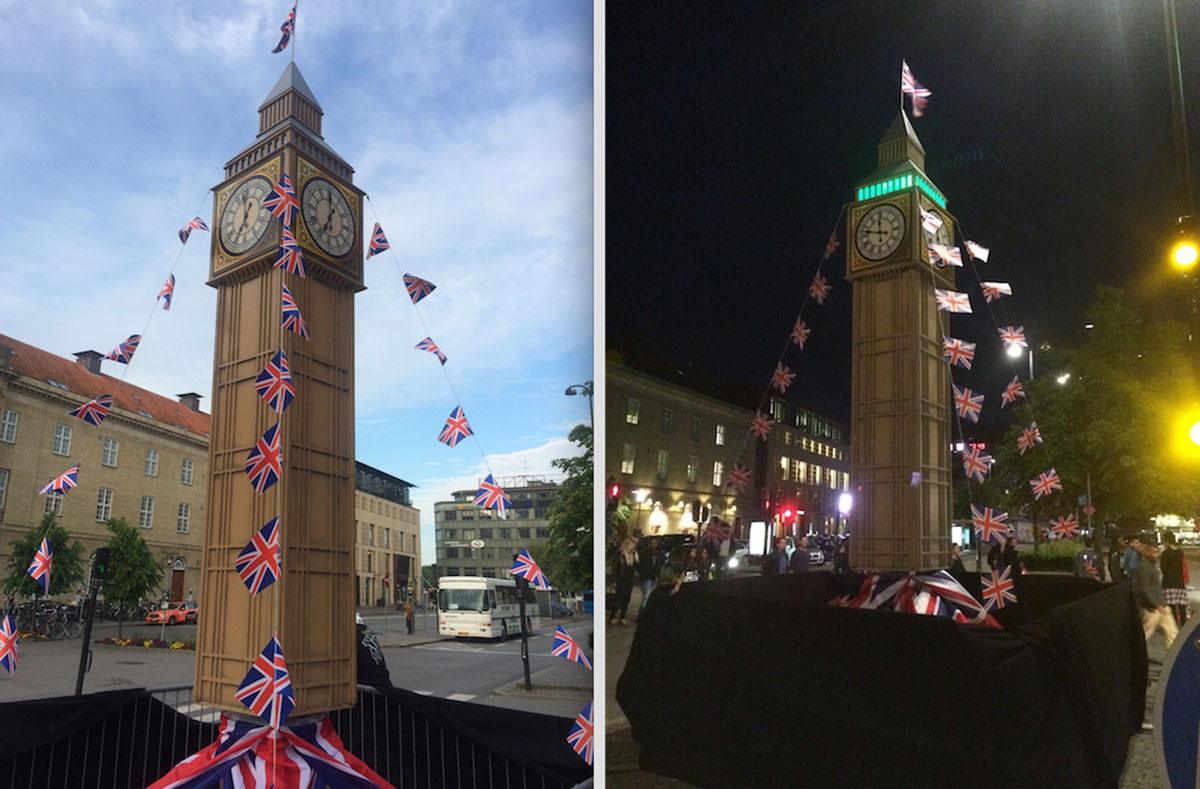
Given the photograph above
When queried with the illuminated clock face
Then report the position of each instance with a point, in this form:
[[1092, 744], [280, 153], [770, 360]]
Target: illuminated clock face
[[244, 220], [943, 235], [880, 232], [328, 216]]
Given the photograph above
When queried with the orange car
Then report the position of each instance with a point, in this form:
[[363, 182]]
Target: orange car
[[174, 614]]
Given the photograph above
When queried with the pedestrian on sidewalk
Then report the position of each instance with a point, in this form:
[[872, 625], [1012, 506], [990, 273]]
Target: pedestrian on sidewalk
[[1148, 591], [800, 558], [624, 571], [1008, 556], [993, 555], [649, 564], [841, 558], [408, 615], [1175, 579], [1116, 564], [1133, 554], [956, 565], [776, 563]]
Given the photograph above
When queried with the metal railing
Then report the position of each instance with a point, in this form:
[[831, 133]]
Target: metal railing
[[146, 736]]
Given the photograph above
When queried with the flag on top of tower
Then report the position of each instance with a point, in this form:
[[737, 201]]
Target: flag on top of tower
[[274, 383], [820, 288], [39, 569], [185, 232], [994, 290], [287, 29], [167, 291], [800, 334], [958, 351], [9, 651], [281, 201], [782, 378], [1012, 392], [977, 252], [289, 315], [920, 94], [952, 300], [967, 403], [418, 288], [491, 496], [259, 562], [94, 411], [63, 482], [456, 428], [378, 243], [429, 345], [945, 255], [123, 353]]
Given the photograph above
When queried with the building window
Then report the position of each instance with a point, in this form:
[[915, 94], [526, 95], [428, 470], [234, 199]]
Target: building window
[[62, 440], [814, 474], [489, 572], [776, 409], [485, 534], [693, 468], [146, 512], [665, 421], [54, 502], [664, 458], [523, 534], [694, 428], [185, 471], [104, 505], [831, 479], [185, 515], [543, 534], [387, 537], [451, 553], [8, 427], [629, 452], [799, 469], [451, 534], [3, 486], [720, 435], [108, 452], [370, 534], [506, 534], [718, 473], [845, 481], [151, 462], [631, 411], [783, 468]]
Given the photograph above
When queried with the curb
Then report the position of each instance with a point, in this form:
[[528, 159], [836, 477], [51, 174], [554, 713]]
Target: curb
[[414, 643]]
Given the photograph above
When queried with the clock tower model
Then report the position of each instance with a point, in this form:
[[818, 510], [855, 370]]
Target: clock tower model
[[311, 606], [901, 385]]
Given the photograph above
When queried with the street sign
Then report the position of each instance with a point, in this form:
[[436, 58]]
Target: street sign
[[1089, 510], [476, 543]]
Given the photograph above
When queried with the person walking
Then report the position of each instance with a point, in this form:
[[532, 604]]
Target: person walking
[[649, 565], [800, 559], [993, 555], [1009, 557], [956, 565], [776, 563], [841, 558], [1133, 554], [1148, 592], [408, 615], [1175, 579], [1116, 564], [624, 571]]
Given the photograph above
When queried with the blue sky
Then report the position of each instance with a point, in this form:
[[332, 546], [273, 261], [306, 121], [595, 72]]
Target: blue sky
[[469, 124]]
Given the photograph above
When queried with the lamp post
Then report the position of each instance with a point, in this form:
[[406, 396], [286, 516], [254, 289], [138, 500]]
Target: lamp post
[[588, 389]]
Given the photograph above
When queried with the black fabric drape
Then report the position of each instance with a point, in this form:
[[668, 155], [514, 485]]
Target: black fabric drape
[[726, 683]]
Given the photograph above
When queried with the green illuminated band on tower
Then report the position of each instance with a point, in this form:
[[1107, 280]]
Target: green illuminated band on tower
[[901, 182]]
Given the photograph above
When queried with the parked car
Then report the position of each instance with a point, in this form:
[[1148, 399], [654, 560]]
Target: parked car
[[193, 611], [173, 614], [739, 561]]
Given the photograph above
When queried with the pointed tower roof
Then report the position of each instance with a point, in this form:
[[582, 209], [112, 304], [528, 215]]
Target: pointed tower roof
[[291, 79], [900, 143]]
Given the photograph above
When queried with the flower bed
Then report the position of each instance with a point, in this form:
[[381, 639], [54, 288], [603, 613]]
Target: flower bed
[[148, 643]]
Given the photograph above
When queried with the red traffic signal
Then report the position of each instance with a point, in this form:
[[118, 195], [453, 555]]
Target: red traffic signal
[[614, 492]]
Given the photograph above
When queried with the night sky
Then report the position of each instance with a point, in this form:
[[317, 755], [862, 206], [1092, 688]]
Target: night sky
[[734, 137]]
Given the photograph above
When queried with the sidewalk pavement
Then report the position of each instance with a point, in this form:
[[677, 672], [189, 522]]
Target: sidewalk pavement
[[564, 680]]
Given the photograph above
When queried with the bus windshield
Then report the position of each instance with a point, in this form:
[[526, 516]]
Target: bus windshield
[[462, 600]]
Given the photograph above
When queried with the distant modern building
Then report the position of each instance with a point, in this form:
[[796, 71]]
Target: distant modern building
[[472, 540], [671, 450], [388, 544]]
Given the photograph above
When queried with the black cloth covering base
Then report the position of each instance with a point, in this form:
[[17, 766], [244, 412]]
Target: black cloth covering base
[[759, 682]]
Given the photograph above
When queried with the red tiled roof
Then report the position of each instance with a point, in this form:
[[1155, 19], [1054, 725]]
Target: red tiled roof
[[43, 366]]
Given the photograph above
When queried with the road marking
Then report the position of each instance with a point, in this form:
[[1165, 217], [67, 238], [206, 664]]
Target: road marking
[[461, 696]]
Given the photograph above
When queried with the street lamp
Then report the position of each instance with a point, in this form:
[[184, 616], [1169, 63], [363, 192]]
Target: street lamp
[[640, 495], [1014, 351], [1185, 250], [1062, 379], [584, 389], [1194, 434]]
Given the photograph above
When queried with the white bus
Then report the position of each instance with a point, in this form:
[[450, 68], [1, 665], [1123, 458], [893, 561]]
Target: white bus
[[475, 607]]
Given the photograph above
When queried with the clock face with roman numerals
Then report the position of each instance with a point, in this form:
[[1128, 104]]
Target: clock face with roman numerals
[[244, 220], [880, 232], [328, 217]]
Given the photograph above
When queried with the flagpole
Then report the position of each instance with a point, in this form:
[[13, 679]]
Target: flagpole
[[295, 40]]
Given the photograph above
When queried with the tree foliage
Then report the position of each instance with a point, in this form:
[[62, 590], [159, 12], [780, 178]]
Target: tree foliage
[[566, 557], [66, 568], [132, 569]]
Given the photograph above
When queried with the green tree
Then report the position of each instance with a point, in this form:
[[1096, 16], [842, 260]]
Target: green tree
[[566, 557], [132, 569], [66, 568]]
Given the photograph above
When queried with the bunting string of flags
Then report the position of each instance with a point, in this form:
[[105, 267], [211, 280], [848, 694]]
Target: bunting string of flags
[[10, 650], [565, 646]]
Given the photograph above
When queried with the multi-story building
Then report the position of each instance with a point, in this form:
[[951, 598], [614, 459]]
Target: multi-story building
[[671, 449], [388, 551], [472, 540], [148, 463]]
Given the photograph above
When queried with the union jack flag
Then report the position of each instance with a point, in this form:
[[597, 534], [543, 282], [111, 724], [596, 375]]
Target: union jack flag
[[9, 651], [580, 736], [920, 94], [976, 463], [1029, 436], [123, 353], [94, 411], [287, 28], [418, 288], [491, 496], [1013, 335], [186, 231], [977, 252], [832, 244], [378, 243], [989, 524], [782, 378], [967, 403], [167, 292], [800, 334], [761, 426], [274, 383], [281, 201], [429, 345], [259, 562], [456, 428], [820, 288], [1045, 483], [717, 531], [1064, 527], [1012, 392], [739, 477], [946, 254], [958, 352], [63, 482], [267, 689], [930, 222], [932, 594], [291, 258], [291, 319], [39, 568], [998, 588], [992, 291], [566, 647], [264, 464], [525, 567], [952, 300]]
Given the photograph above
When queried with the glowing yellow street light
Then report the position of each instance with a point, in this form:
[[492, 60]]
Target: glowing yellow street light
[[1186, 249], [1194, 434]]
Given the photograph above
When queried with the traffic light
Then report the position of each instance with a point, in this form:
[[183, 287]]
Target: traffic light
[[614, 492], [100, 565]]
